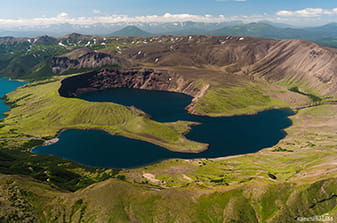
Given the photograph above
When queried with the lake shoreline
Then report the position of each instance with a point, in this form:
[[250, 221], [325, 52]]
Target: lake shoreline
[[224, 134]]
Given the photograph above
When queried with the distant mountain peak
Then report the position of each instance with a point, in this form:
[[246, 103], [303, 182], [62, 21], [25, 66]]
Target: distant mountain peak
[[131, 31], [45, 39], [73, 35]]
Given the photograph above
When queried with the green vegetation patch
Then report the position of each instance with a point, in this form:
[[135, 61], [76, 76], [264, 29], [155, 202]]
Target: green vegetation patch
[[246, 99], [313, 97], [280, 149], [22, 60]]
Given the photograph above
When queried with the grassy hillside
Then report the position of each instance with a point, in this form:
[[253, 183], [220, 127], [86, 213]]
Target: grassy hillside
[[129, 203], [245, 99], [23, 60], [30, 58]]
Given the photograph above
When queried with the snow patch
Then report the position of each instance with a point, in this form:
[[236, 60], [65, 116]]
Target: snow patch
[[61, 44]]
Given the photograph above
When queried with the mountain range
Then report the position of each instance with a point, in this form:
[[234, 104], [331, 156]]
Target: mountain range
[[104, 29], [324, 35]]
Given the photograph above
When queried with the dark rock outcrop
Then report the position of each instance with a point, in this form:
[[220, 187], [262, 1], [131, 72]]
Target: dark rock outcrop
[[126, 78], [82, 58]]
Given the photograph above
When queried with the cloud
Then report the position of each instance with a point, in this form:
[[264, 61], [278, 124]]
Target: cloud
[[308, 17], [96, 11], [62, 15], [308, 12], [167, 17]]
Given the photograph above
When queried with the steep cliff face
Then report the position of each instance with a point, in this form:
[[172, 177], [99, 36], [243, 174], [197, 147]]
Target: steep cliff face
[[82, 58], [127, 78]]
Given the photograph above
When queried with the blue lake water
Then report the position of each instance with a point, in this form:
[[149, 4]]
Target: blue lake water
[[226, 135], [7, 86]]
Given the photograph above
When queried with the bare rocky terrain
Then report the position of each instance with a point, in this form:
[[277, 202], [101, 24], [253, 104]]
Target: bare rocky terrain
[[285, 62]]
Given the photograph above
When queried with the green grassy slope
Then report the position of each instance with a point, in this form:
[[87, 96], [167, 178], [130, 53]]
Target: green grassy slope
[[30, 58], [130, 203], [244, 99], [22, 60]]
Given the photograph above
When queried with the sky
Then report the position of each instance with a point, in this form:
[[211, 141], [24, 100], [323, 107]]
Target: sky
[[44, 12]]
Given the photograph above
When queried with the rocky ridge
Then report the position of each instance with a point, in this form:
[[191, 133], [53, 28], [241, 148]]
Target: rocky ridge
[[82, 58]]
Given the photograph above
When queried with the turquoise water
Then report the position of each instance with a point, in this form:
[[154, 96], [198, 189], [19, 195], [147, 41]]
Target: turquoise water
[[7, 86], [226, 135]]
